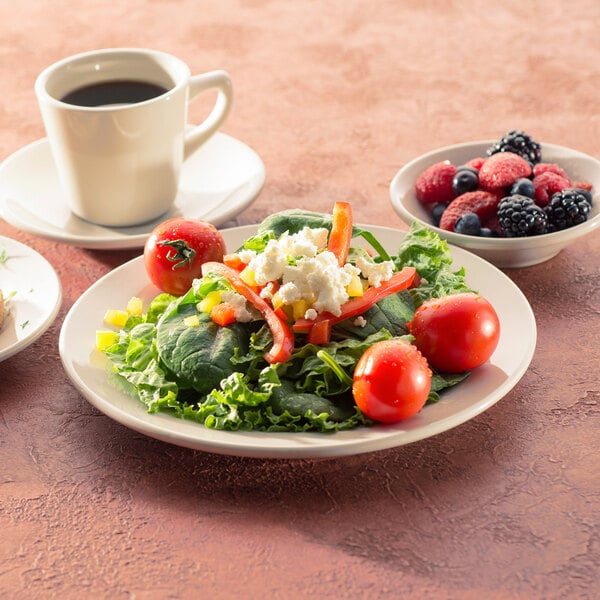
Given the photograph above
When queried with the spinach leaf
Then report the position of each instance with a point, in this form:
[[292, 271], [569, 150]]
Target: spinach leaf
[[303, 404], [441, 381], [392, 314], [199, 357], [294, 220]]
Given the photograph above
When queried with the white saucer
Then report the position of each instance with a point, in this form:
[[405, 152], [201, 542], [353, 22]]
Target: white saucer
[[217, 182], [32, 293]]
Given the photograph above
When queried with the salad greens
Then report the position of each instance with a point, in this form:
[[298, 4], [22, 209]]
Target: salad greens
[[218, 376]]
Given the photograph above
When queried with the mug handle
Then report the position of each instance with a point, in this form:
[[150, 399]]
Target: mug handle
[[200, 83]]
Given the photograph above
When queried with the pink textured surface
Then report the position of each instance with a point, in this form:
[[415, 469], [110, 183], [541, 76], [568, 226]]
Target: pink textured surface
[[335, 97]]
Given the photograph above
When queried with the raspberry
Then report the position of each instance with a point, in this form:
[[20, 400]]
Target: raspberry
[[502, 169], [551, 168], [480, 202], [546, 184], [493, 224], [434, 185], [582, 185], [475, 163]]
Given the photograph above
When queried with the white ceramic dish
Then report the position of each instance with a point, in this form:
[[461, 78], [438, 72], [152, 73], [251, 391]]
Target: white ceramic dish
[[217, 182], [503, 252], [486, 385], [32, 292]]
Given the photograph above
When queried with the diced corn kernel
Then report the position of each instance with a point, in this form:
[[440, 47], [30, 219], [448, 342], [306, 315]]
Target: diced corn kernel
[[104, 339], [209, 301], [299, 309], [191, 321], [355, 287], [118, 318], [134, 306], [247, 276]]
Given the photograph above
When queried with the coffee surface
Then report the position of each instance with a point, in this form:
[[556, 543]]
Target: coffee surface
[[113, 92]]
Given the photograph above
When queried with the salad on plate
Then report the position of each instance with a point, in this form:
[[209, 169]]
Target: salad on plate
[[310, 325]]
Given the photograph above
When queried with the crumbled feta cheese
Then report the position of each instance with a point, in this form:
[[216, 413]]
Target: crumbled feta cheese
[[243, 312], [246, 255], [375, 273], [360, 322], [306, 269], [310, 314], [320, 281], [267, 292], [289, 293]]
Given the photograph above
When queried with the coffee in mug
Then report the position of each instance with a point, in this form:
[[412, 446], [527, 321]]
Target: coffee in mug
[[116, 121]]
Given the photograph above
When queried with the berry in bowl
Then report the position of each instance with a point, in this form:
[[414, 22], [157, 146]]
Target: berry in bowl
[[514, 202]]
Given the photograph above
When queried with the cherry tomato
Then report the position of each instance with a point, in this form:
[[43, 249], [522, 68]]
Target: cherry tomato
[[456, 333], [391, 381], [176, 250]]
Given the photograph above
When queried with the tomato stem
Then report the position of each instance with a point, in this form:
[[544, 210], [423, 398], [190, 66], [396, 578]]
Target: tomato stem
[[181, 255]]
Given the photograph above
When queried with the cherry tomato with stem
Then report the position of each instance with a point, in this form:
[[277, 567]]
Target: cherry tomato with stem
[[456, 333], [176, 250], [391, 381]]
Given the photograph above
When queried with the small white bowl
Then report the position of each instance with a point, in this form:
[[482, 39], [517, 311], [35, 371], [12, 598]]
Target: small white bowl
[[502, 252]]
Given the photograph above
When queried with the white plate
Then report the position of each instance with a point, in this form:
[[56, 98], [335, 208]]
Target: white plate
[[33, 293], [87, 369], [217, 182]]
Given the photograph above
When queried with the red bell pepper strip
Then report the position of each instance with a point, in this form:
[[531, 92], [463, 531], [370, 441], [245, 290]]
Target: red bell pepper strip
[[319, 333], [283, 337], [401, 280], [341, 231]]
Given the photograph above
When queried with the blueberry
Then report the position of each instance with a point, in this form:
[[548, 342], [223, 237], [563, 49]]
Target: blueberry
[[436, 213], [467, 168], [487, 232], [523, 187], [469, 224], [465, 180]]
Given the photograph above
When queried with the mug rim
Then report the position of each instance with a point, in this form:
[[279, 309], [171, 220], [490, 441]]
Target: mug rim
[[174, 67]]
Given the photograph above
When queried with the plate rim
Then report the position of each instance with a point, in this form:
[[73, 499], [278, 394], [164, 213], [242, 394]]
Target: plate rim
[[35, 333], [119, 241], [224, 442]]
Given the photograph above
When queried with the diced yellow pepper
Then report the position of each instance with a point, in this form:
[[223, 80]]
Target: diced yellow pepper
[[191, 321], [134, 306], [247, 276], [299, 308], [104, 339], [276, 301], [118, 318], [210, 301], [355, 287]]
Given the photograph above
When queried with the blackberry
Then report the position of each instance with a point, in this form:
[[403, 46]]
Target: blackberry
[[520, 143], [586, 193], [567, 208], [520, 216]]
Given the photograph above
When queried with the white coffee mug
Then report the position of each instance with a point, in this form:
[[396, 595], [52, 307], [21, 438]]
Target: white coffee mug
[[116, 124]]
